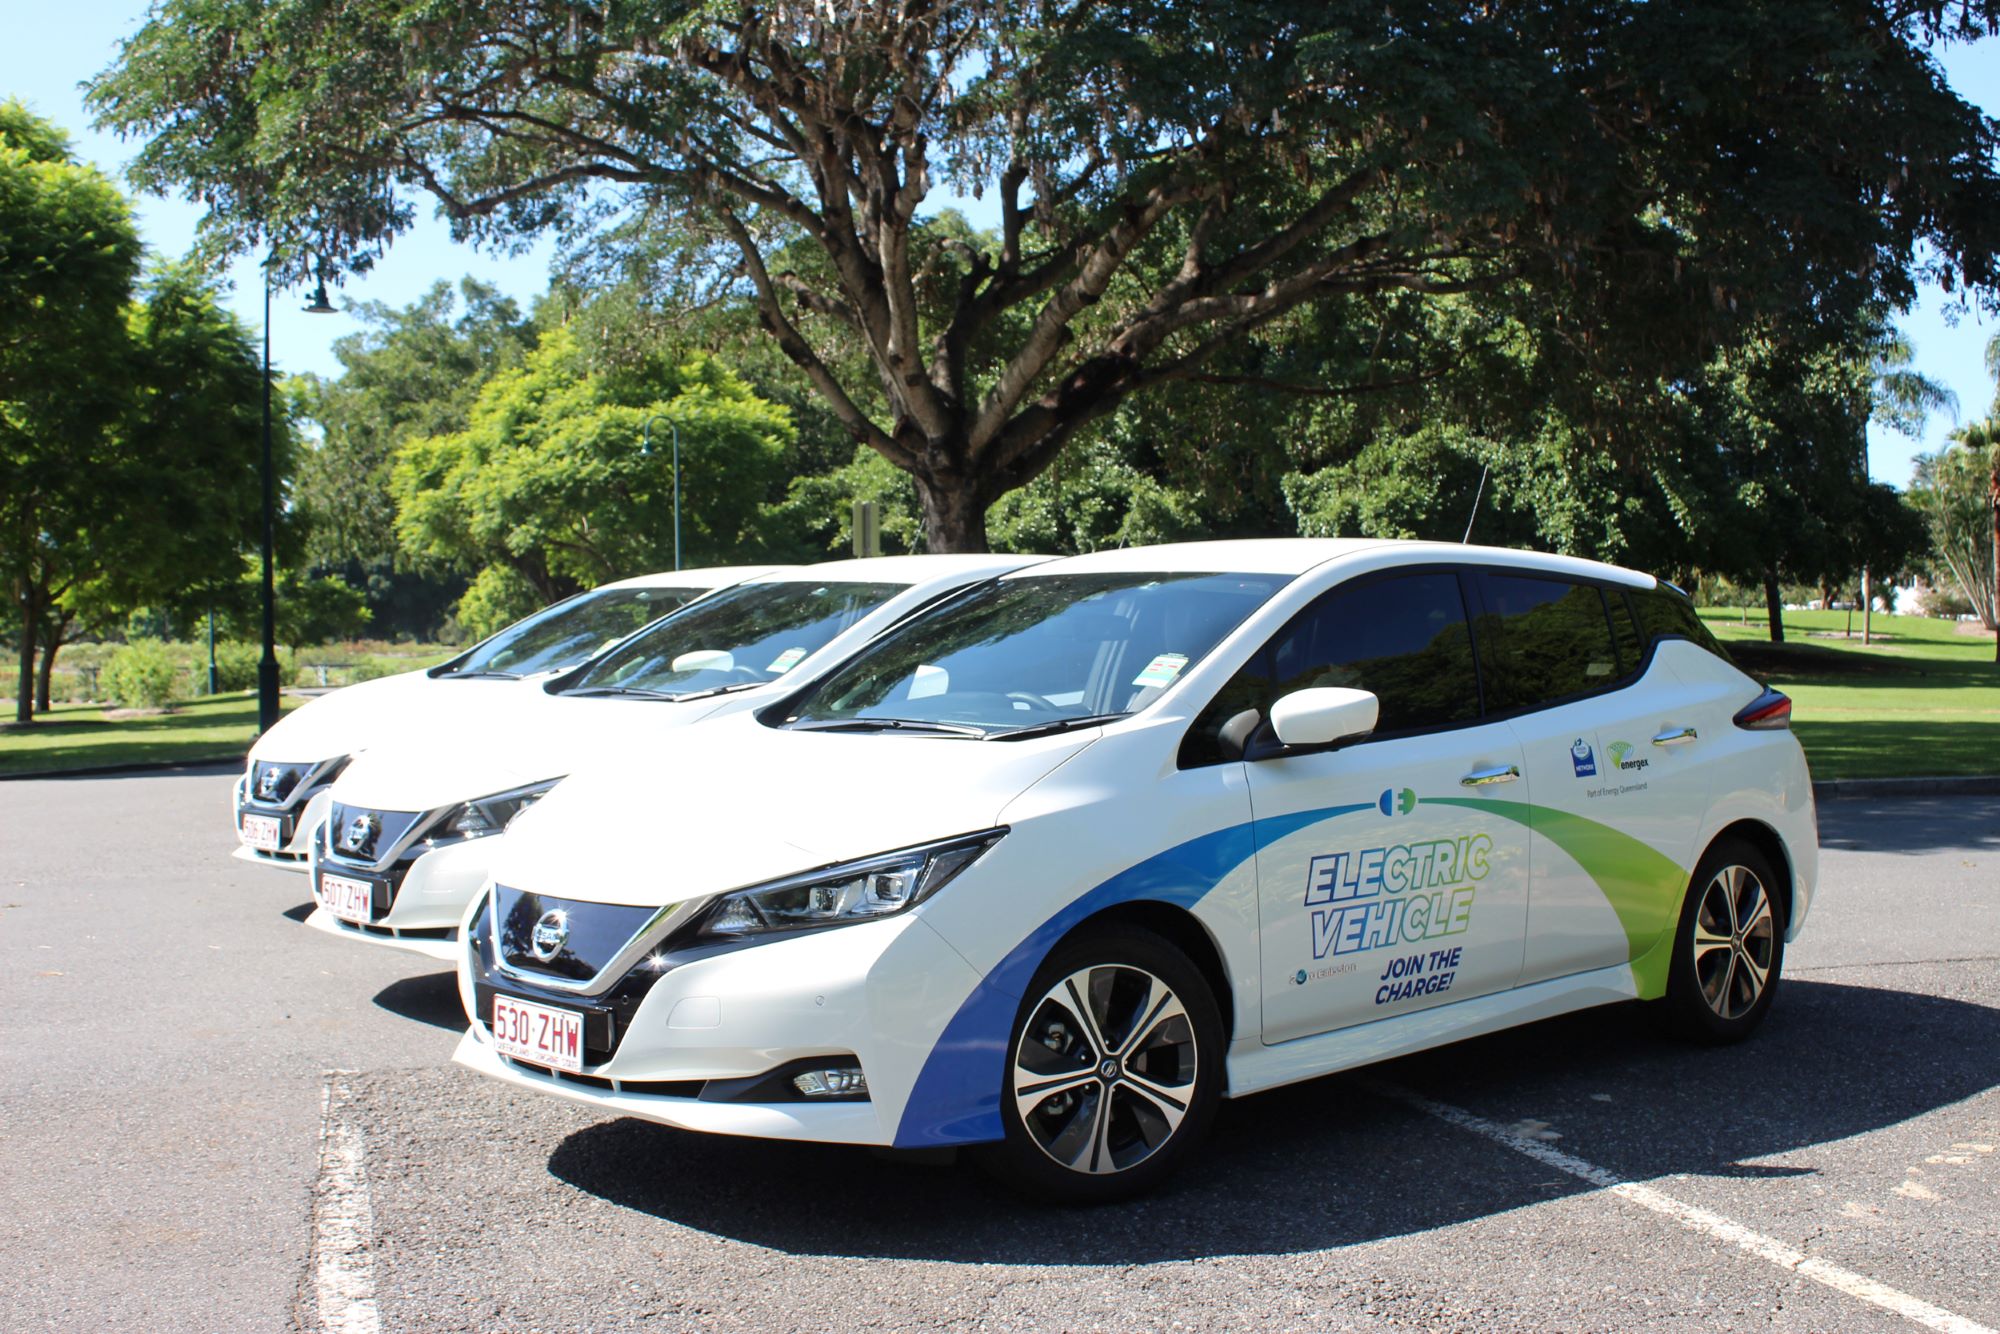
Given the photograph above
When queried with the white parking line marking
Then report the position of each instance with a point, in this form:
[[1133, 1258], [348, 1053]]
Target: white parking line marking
[[1696, 1219], [342, 1266]]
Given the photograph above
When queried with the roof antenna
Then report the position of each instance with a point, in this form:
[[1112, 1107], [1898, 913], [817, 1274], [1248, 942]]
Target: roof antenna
[[1476, 496]]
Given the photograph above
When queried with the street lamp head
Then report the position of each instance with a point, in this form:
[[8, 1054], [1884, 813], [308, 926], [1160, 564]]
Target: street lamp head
[[320, 305]]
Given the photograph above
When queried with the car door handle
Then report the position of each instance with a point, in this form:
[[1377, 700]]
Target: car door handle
[[1499, 773], [1674, 737]]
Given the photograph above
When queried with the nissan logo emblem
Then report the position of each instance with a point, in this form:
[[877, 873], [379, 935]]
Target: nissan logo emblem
[[360, 833], [551, 933]]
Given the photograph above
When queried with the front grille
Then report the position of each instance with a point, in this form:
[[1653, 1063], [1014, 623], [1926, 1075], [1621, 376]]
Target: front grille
[[590, 934], [365, 835]]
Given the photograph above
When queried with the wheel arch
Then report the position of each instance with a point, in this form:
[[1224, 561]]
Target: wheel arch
[[1768, 841], [1181, 929]]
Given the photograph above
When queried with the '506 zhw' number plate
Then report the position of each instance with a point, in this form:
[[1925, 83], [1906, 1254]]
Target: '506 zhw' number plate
[[540, 1034], [263, 832]]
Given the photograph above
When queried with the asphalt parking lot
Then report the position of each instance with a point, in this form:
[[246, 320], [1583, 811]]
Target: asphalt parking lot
[[213, 1118]]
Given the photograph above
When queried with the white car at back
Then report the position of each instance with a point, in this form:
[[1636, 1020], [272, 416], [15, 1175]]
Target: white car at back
[[280, 801]]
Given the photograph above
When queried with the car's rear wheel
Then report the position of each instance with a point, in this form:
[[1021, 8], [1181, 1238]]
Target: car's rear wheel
[[1114, 1068], [1730, 948]]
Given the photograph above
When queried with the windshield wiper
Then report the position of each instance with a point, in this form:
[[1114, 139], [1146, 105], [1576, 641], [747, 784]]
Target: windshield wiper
[[890, 725], [484, 673], [1057, 725], [636, 692], [729, 689]]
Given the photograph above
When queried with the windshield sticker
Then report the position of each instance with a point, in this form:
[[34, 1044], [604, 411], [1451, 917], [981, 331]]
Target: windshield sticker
[[929, 681], [1374, 897], [1162, 670], [787, 660]]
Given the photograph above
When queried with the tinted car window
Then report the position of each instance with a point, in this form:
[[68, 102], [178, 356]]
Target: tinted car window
[[565, 634], [1624, 633], [1665, 614], [1543, 640], [1403, 638]]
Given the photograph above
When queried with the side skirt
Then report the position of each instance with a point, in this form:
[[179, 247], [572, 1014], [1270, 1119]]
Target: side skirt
[[1254, 1067]]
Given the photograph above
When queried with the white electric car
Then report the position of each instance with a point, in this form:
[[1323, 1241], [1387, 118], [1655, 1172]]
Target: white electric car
[[407, 844], [1057, 864], [282, 797]]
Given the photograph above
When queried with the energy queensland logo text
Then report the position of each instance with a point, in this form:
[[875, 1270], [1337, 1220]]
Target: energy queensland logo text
[[1368, 898]]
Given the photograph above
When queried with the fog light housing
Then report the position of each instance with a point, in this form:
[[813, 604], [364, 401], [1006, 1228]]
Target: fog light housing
[[840, 1081]]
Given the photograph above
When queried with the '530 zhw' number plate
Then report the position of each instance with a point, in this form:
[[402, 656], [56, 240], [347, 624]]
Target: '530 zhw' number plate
[[541, 1034]]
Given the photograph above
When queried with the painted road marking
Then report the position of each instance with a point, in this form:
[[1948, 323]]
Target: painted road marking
[[1694, 1218], [342, 1265]]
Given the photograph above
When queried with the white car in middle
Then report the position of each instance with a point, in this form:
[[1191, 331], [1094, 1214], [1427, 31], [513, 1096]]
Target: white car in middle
[[406, 844]]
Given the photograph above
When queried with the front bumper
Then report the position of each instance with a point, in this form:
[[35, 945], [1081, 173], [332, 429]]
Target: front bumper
[[417, 903], [302, 821], [877, 994]]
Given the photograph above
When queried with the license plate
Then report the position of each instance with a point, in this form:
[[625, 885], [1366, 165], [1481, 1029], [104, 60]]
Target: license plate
[[265, 833], [540, 1034], [346, 899]]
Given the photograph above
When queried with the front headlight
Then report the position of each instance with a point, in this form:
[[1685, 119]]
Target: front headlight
[[856, 891], [490, 815]]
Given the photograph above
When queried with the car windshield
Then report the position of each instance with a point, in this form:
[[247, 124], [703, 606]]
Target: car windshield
[[1035, 653], [746, 636], [563, 635]]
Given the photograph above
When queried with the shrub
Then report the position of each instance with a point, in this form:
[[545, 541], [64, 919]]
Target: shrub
[[235, 665], [142, 675]]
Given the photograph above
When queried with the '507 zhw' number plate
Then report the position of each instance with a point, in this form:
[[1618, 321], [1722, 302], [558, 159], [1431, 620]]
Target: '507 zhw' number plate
[[540, 1034]]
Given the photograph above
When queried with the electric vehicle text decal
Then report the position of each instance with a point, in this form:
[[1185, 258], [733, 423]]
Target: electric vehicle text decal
[[1404, 894]]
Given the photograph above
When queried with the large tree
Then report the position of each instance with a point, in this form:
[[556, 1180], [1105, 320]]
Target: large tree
[[1169, 177], [68, 258]]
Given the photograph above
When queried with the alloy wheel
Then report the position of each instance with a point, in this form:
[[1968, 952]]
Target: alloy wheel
[[1734, 940], [1104, 1072]]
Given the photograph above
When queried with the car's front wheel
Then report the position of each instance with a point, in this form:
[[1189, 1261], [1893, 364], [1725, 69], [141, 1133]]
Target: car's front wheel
[[1730, 948], [1114, 1068]]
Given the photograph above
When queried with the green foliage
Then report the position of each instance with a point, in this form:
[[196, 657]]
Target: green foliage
[[236, 664], [407, 374], [496, 598], [552, 479], [1638, 182], [1951, 492], [144, 674]]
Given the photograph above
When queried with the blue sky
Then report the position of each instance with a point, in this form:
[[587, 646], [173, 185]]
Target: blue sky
[[51, 49]]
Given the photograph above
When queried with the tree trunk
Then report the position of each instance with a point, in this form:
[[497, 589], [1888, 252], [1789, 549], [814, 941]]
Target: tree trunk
[[1867, 607], [954, 513], [49, 651], [24, 688], [1994, 497], [1774, 607]]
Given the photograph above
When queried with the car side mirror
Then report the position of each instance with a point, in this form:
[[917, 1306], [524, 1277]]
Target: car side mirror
[[1324, 716]]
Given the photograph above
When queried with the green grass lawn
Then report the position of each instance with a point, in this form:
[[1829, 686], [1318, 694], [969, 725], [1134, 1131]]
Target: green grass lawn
[[79, 736], [1922, 700]]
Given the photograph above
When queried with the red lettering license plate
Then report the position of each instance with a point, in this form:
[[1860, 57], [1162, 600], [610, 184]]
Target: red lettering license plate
[[540, 1034], [263, 832], [346, 899]]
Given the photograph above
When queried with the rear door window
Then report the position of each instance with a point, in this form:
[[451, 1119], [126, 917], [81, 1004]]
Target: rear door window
[[1543, 640], [1665, 614]]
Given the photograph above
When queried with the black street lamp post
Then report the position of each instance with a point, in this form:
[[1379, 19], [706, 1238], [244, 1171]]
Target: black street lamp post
[[267, 665]]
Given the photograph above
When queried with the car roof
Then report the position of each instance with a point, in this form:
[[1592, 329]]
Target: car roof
[[708, 576], [907, 570], [1296, 555]]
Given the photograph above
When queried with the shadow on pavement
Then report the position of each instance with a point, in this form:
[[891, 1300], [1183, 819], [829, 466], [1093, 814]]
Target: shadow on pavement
[[430, 999], [1913, 824], [299, 912], [1328, 1163]]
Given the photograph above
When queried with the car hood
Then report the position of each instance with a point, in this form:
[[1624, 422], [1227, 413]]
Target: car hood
[[734, 802], [462, 754], [371, 713]]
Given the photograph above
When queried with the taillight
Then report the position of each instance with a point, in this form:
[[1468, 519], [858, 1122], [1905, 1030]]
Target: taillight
[[1769, 712]]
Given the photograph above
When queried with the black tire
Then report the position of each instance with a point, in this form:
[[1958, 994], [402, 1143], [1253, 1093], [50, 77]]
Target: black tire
[[1718, 992], [1159, 1061]]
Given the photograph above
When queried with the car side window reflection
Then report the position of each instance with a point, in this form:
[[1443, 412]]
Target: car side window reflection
[[1403, 637], [1543, 640]]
